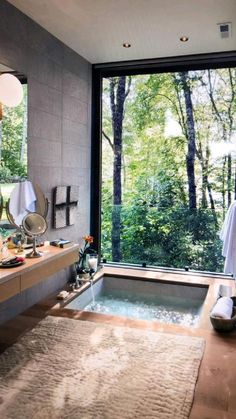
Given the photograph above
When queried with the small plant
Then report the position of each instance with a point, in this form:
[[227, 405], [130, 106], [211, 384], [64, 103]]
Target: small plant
[[82, 267]]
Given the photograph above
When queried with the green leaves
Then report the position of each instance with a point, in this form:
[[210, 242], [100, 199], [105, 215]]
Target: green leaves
[[13, 149], [156, 225]]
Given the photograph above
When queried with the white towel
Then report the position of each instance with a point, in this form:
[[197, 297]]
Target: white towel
[[228, 236], [22, 201], [225, 291], [223, 308]]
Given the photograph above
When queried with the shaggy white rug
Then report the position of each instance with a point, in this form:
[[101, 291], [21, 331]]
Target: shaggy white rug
[[75, 369]]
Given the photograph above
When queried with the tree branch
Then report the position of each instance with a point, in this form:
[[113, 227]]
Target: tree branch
[[128, 87], [108, 139], [180, 112], [112, 100], [217, 112], [231, 101]]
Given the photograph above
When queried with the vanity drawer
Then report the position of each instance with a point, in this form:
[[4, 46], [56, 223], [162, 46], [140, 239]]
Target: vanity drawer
[[9, 288], [30, 278]]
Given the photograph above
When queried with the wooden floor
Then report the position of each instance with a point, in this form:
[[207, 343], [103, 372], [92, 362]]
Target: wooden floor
[[215, 394]]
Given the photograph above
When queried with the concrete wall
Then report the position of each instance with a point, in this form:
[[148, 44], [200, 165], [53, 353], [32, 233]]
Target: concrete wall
[[59, 117]]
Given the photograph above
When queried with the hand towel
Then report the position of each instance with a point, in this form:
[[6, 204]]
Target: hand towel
[[223, 308], [22, 201]]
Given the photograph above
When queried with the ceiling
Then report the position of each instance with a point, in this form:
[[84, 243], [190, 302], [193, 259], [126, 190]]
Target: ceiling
[[96, 29]]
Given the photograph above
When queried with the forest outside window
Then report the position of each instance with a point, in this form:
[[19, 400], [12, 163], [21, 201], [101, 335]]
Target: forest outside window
[[168, 167], [13, 149]]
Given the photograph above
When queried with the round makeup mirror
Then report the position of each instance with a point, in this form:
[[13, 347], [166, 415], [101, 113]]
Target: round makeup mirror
[[26, 197], [34, 225]]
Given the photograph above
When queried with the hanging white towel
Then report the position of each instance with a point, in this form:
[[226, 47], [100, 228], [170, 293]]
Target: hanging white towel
[[223, 308], [228, 236], [22, 201]]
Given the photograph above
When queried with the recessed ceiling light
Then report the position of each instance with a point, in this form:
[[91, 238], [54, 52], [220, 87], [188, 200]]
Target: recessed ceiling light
[[183, 39], [126, 45]]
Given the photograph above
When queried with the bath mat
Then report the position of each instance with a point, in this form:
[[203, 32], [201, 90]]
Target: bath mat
[[74, 369]]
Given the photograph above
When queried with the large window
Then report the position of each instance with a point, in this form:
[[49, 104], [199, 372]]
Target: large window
[[13, 149], [168, 166]]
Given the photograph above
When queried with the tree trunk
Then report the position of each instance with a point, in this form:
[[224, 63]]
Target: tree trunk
[[190, 158], [24, 132], [210, 196], [204, 187], [223, 186], [212, 203], [117, 100], [229, 178]]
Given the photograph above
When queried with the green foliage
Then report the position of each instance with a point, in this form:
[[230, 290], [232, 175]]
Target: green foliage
[[5, 174], [106, 221], [157, 226], [13, 150]]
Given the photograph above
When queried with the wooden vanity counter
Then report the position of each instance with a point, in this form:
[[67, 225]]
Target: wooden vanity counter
[[18, 279]]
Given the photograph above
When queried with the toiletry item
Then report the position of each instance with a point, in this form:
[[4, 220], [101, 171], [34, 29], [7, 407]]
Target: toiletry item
[[12, 261], [225, 291], [61, 243], [93, 262], [62, 295]]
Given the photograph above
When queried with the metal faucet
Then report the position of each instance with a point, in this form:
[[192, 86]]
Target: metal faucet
[[81, 281]]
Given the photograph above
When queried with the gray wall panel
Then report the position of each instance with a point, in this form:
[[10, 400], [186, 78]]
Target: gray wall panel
[[59, 118]]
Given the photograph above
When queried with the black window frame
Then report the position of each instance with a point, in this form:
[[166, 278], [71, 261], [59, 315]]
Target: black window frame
[[135, 67]]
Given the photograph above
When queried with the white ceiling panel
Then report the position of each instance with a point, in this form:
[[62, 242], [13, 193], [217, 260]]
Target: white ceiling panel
[[96, 29]]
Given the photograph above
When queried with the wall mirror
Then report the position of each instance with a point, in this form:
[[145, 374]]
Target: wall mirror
[[26, 197], [13, 135]]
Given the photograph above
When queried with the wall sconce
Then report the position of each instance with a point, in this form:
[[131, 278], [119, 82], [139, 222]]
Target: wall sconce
[[11, 91]]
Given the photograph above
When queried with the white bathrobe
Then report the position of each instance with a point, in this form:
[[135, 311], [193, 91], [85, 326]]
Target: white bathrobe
[[228, 236]]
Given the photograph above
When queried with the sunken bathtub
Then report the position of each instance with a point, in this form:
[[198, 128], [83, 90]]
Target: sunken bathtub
[[163, 302]]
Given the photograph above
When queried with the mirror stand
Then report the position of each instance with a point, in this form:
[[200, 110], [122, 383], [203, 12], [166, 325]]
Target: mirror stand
[[34, 225], [35, 253]]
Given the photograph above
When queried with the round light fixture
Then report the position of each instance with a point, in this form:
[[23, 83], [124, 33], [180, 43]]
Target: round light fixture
[[126, 45], [11, 90], [183, 39]]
